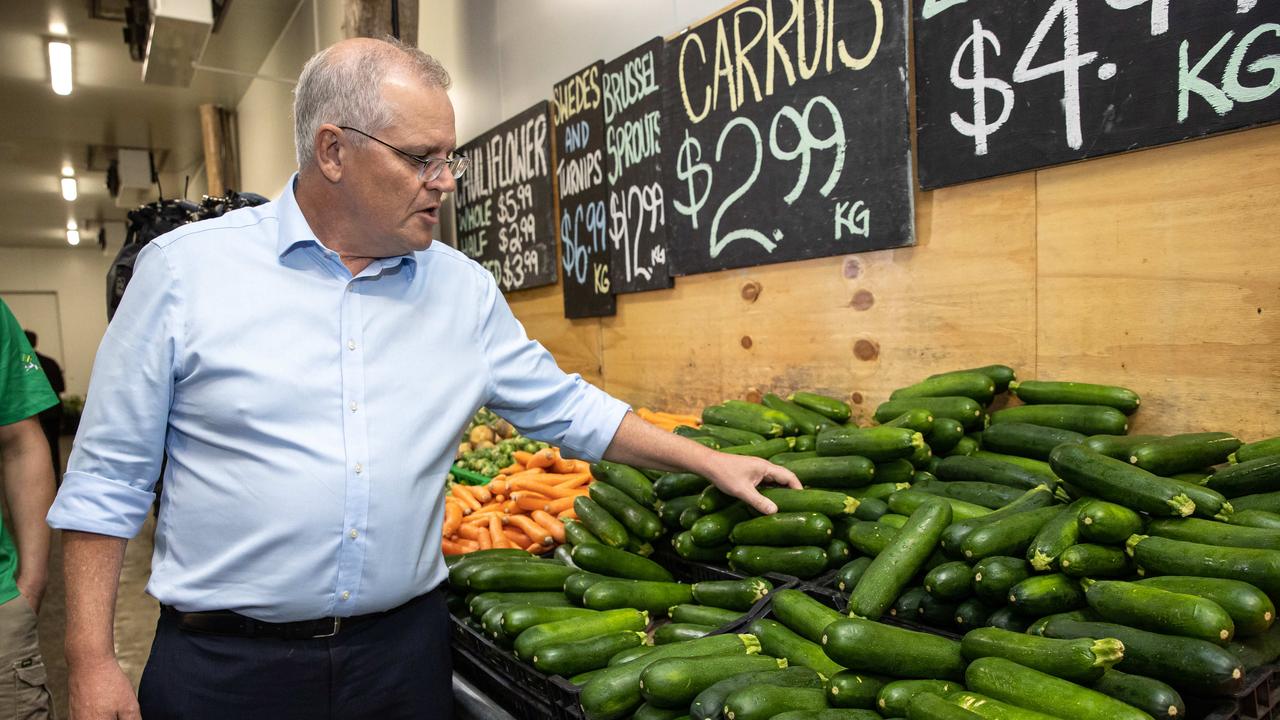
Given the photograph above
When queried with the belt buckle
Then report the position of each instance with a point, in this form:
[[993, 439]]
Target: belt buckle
[[337, 625]]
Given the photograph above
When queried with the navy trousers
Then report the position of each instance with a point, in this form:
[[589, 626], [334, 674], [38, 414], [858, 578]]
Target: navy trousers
[[395, 666]]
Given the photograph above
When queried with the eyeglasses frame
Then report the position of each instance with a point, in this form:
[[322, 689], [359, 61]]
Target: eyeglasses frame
[[451, 162]]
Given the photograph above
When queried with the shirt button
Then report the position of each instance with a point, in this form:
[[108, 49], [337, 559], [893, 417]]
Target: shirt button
[[346, 595], [359, 468], [353, 406], [351, 344], [354, 534]]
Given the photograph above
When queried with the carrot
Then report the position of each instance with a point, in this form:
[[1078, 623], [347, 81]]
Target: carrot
[[569, 514], [469, 501], [563, 466], [469, 532], [554, 491], [552, 525], [452, 518], [498, 487], [520, 457], [511, 469], [485, 540], [510, 506], [481, 518], [456, 547], [559, 505], [568, 480], [535, 531], [534, 549], [518, 538], [544, 458], [529, 501], [495, 532], [480, 492], [582, 466]]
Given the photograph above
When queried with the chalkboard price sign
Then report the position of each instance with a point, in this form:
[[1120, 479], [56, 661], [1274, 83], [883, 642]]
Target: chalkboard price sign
[[504, 201], [787, 131], [1009, 85], [584, 194], [633, 144]]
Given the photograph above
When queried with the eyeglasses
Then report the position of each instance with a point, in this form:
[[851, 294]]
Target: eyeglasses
[[429, 167]]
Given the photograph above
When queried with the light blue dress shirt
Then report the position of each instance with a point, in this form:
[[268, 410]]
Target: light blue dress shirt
[[309, 416]]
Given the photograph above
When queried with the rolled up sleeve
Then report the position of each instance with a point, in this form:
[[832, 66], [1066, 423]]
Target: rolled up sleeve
[[114, 465], [534, 394]]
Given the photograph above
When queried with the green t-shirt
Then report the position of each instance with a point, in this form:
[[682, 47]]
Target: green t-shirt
[[24, 391]]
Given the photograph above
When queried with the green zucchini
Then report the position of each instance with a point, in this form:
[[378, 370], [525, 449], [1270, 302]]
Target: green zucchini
[[532, 640], [809, 422], [1082, 660], [954, 468], [1184, 453], [828, 714], [1034, 690], [714, 529], [1001, 375], [738, 419], [483, 602], [1045, 595], [600, 522], [877, 491], [1250, 609], [1119, 447], [988, 495], [675, 682], [515, 619], [453, 561], [1269, 501], [1084, 419], [627, 479], [1107, 523], [713, 499], [907, 605], [652, 712], [766, 449], [581, 678], [1006, 618], [827, 502], [868, 645], [576, 533], [629, 655], [519, 577], [766, 701], [992, 709], [1162, 556], [674, 632], [1215, 533], [1040, 392], [848, 689], [576, 585], [848, 575], [894, 697], [838, 553], [878, 444], [788, 457], [971, 614], [966, 411], [917, 419], [783, 529], [954, 536], [896, 471], [460, 574], [826, 472], [604, 560], [901, 559], [1260, 475], [1120, 482], [837, 410], [1027, 440], [936, 613], [1257, 650], [803, 614], [1147, 694], [730, 436], [945, 434], [1038, 467], [709, 704], [1007, 536], [1059, 533], [1195, 665], [739, 595], [669, 511], [1095, 561], [615, 693], [1255, 518], [780, 641], [653, 596], [951, 581], [905, 502], [802, 561], [870, 538], [975, 386], [803, 444], [636, 518], [928, 706], [967, 446], [703, 615], [1083, 614], [789, 426], [491, 624], [578, 656], [686, 548], [1255, 450], [677, 484]]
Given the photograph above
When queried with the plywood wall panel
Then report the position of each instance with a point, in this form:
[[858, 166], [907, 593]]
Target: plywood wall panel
[[574, 343], [1160, 271]]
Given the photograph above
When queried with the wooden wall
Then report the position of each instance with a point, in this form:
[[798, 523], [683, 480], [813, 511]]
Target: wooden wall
[[1158, 270]]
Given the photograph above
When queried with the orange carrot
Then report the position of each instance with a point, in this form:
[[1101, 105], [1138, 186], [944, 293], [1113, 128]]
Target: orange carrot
[[495, 532], [544, 458], [480, 492], [559, 505], [582, 466], [569, 514], [498, 487], [511, 469], [469, 501], [552, 525], [518, 538], [530, 501], [452, 518], [525, 474], [469, 532], [563, 466], [521, 457], [481, 518], [458, 547], [484, 538], [534, 548], [535, 531]]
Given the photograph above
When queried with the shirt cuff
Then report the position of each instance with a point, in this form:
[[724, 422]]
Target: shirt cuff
[[594, 424], [92, 504]]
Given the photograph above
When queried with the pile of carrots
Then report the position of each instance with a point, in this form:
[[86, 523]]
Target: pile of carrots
[[668, 421], [524, 506]]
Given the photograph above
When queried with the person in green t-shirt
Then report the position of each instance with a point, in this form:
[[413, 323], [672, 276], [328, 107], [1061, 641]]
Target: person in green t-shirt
[[28, 493]]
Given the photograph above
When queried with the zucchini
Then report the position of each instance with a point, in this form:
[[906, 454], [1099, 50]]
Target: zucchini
[[453, 561], [1269, 501], [894, 520], [992, 709], [917, 419], [1084, 614], [1120, 482], [1084, 419], [789, 426], [460, 574], [954, 536], [945, 434], [927, 706], [615, 692], [760, 702], [967, 446], [714, 529], [686, 548], [1007, 536], [877, 491], [963, 410], [709, 704], [868, 645], [515, 619], [481, 603], [955, 468], [894, 697], [1256, 518], [1095, 561], [975, 386], [578, 656], [1215, 533], [678, 484], [576, 585], [529, 642], [581, 678], [971, 614], [729, 436], [738, 419], [1082, 660], [739, 595], [1261, 475], [604, 560], [674, 632], [627, 479], [905, 502], [1027, 440], [950, 581], [766, 449], [848, 575], [653, 596], [787, 457], [713, 499], [783, 529], [1006, 618], [838, 553], [1059, 533], [1045, 595], [1041, 392], [803, 614], [936, 613], [878, 444], [1184, 453], [848, 689], [669, 511], [895, 471], [653, 712], [1119, 447], [703, 615], [829, 714], [870, 538], [519, 577], [1250, 609], [827, 502], [600, 522], [825, 472], [804, 444], [809, 422], [1107, 523], [1147, 694], [636, 518], [1162, 556], [837, 410], [1255, 450], [907, 606], [988, 495], [629, 655], [1034, 690], [802, 561], [675, 682], [901, 559], [576, 533], [1039, 467], [1195, 665], [1001, 375], [780, 641]]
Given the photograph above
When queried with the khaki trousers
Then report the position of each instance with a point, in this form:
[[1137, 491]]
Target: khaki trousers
[[23, 691]]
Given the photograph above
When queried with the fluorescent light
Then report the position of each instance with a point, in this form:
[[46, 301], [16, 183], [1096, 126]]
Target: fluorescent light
[[60, 66], [68, 171], [73, 237], [57, 27], [69, 192]]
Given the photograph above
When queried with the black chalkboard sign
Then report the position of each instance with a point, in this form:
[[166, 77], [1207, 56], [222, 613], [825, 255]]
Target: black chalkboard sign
[[504, 202], [584, 193], [633, 148], [1008, 85], [787, 134]]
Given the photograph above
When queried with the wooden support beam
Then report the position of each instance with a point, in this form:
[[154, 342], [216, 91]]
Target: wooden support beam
[[372, 18], [211, 132]]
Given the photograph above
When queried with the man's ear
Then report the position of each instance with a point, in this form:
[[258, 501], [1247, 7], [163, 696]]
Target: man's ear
[[329, 152]]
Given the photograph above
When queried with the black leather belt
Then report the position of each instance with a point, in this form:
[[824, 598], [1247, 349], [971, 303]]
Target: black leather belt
[[233, 624]]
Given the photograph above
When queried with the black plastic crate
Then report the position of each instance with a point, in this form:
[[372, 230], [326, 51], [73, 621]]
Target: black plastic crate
[[1258, 699], [507, 692], [521, 681]]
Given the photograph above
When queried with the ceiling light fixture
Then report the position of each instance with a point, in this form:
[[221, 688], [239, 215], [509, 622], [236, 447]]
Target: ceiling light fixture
[[73, 237], [68, 171], [60, 66], [69, 191]]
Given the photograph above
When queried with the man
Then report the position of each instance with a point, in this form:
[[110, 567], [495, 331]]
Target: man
[[51, 419], [28, 492], [307, 366]]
